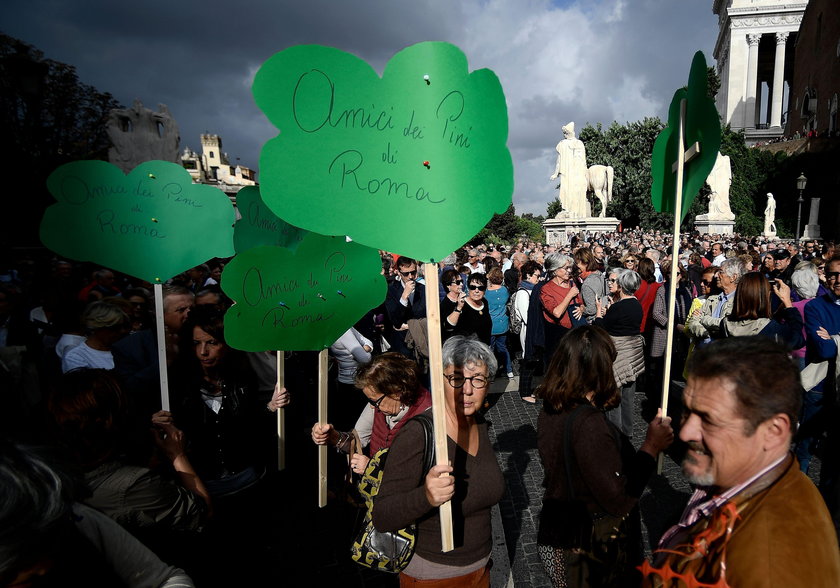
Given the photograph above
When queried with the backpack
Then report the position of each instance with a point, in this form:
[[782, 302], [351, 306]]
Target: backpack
[[516, 320], [388, 551]]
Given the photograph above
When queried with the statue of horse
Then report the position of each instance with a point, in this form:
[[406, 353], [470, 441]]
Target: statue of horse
[[600, 179]]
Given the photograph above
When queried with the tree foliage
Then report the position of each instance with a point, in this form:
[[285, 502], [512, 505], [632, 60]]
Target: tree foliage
[[48, 118]]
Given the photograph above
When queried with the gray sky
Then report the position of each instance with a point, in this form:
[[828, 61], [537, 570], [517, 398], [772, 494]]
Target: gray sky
[[587, 62]]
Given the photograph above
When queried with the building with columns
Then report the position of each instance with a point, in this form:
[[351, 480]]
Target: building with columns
[[755, 53]]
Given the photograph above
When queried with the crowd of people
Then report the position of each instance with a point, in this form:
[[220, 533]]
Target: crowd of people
[[581, 327]]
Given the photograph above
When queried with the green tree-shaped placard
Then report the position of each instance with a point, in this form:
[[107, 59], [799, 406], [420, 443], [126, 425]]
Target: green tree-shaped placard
[[414, 162], [153, 223], [301, 299], [260, 226], [702, 127]]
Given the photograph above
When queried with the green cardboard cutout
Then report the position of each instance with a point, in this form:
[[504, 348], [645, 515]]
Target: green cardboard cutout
[[302, 299], [153, 223], [260, 226], [701, 126], [414, 162]]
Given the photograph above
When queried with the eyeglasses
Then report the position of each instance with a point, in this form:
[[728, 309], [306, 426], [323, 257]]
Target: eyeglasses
[[707, 283], [630, 261], [409, 273], [458, 381], [477, 287], [456, 283], [612, 281], [832, 275], [377, 402]]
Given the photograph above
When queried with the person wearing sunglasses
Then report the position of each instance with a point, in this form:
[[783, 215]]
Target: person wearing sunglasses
[[622, 319], [472, 317], [452, 304], [473, 484], [405, 300], [392, 386]]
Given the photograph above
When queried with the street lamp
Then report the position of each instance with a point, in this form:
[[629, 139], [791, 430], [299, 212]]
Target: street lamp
[[801, 181]]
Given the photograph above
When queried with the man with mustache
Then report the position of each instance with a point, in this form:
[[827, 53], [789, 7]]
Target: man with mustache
[[755, 519]]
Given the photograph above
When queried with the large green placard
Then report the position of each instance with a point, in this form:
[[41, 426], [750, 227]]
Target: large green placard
[[260, 226], [302, 299], [153, 223], [414, 162]]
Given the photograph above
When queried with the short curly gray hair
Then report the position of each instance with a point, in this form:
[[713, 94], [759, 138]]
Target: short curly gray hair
[[459, 351]]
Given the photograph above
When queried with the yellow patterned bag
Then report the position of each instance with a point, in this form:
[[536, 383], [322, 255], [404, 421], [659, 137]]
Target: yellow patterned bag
[[379, 550]]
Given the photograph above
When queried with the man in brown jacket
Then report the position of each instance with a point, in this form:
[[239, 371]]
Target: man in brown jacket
[[755, 520]]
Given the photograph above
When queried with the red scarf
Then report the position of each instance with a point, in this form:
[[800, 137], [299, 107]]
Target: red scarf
[[382, 435]]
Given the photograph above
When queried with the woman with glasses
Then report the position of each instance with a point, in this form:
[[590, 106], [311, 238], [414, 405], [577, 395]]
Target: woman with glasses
[[466, 313], [819, 264], [622, 319], [452, 304], [630, 261], [473, 483], [391, 385], [559, 293]]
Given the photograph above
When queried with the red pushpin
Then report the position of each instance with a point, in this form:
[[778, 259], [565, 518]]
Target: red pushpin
[[428, 166]]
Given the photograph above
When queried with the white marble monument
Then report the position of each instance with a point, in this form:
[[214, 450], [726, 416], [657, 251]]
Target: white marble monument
[[770, 217], [720, 218]]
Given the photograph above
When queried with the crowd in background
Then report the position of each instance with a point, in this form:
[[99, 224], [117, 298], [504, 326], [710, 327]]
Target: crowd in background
[[78, 358]]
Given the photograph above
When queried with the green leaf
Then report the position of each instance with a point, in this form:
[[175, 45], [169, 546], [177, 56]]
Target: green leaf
[[351, 155], [153, 223]]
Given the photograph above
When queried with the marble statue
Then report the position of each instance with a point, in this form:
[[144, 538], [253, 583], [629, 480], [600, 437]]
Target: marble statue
[[719, 180], [571, 169], [600, 180], [770, 216], [137, 134]]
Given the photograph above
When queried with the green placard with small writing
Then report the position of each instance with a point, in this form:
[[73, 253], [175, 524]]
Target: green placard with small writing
[[414, 161], [258, 225], [302, 299], [153, 223]]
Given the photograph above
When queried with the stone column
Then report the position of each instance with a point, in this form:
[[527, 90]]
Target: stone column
[[778, 81], [812, 229], [752, 80]]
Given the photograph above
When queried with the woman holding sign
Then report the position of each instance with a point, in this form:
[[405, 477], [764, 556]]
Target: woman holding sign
[[474, 483], [391, 385], [220, 410]]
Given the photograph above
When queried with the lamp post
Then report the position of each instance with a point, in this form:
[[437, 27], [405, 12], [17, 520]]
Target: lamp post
[[801, 181]]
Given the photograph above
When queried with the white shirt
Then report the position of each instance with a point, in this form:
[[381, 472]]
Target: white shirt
[[82, 356]]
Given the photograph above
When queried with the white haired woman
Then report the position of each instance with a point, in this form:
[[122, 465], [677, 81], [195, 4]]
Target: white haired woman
[[474, 483], [622, 320]]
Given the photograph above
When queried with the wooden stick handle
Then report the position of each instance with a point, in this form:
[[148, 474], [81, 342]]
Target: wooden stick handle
[[669, 342], [161, 347], [281, 414], [438, 399], [322, 418]]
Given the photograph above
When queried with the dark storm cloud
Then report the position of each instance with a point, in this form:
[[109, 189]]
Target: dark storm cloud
[[558, 62]]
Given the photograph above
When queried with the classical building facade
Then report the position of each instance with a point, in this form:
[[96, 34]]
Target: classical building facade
[[213, 166], [816, 78], [755, 51]]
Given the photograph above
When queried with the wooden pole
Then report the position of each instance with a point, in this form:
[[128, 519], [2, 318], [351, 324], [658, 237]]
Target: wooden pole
[[161, 344], [281, 414], [675, 250], [322, 419], [438, 400]]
